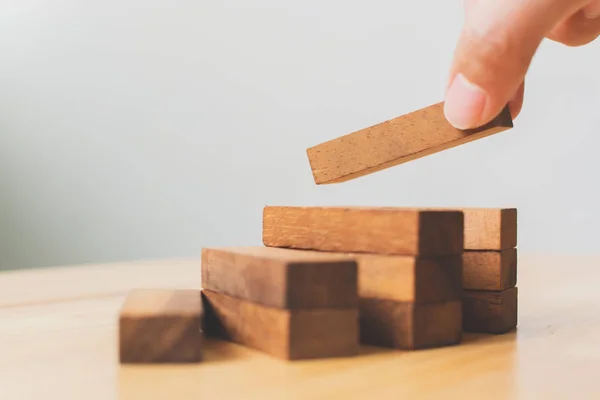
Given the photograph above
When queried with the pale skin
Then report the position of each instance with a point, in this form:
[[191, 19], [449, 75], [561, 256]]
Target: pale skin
[[496, 46]]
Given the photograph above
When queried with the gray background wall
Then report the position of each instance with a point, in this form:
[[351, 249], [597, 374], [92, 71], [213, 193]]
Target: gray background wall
[[143, 129]]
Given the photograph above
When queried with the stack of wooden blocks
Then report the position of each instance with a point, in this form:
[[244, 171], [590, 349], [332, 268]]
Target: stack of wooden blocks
[[291, 305], [490, 271], [328, 279]]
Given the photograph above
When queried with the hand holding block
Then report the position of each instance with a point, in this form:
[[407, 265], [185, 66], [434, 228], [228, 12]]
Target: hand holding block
[[381, 230], [161, 326], [282, 278], [281, 333], [394, 142]]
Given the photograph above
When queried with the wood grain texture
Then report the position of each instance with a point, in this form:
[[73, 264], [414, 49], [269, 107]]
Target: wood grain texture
[[396, 141], [379, 230], [490, 312], [410, 279], [284, 334], [490, 270], [161, 326], [490, 228], [487, 228], [283, 278], [408, 326]]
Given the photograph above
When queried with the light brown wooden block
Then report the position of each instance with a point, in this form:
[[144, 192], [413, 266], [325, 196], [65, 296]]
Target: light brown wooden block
[[487, 228], [284, 334], [396, 141], [490, 270], [401, 325], [380, 230], [283, 278], [410, 279], [161, 326], [490, 312], [490, 228]]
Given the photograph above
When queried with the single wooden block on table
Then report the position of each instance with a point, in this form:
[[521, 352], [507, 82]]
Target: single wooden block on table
[[490, 270], [490, 311], [410, 279], [379, 230], [409, 326], [161, 326], [396, 141], [282, 278], [281, 333]]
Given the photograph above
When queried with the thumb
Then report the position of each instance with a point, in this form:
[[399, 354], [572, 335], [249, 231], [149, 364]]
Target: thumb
[[494, 51]]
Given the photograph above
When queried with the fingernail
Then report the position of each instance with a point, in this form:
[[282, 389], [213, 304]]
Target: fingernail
[[592, 10], [464, 103]]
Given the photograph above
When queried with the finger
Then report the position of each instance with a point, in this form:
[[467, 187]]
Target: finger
[[592, 10], [493, 54], [579, 29], [515, 104]]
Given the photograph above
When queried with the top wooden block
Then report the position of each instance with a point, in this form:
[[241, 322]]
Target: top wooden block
[[490, 228], [282, 278], [396, 141], [379, 230]]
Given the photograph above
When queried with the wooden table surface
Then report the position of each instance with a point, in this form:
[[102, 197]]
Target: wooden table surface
[[58, 340]]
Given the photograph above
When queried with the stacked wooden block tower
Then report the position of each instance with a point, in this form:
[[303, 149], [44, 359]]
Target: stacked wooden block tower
[[328, 279], [490, 270], [291, 305], [409, 266]]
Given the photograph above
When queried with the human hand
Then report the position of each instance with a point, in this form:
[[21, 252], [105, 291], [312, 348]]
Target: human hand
[[496, 47]]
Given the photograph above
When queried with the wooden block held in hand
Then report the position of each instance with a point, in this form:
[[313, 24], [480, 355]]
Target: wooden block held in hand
[[282, 278], [381, 230], [408, 326], [490, 228], [396, 141], [410, 279], [161, 326], [284, 334], [490, 312], [490, 270]]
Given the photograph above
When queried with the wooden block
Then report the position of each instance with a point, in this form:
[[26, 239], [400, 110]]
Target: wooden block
[[401, 325], [161, 326], [490, 312], [380, 230], [284, 334], [490, 270], [396, 141], [410, 279], [490, 228], [283, 278]]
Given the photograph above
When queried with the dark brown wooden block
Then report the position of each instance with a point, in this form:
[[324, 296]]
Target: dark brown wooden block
[[490, 312], [283, 278], [379, 230], [396, 141], [402, 325], [410, 279], [284, 334], [490, 270], [161, 326]]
